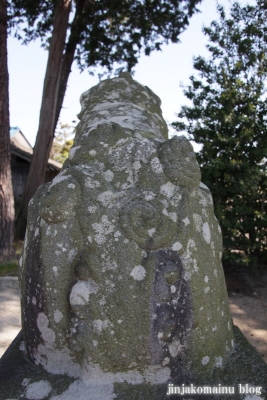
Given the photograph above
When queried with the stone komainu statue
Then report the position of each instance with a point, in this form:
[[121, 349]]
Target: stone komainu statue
[[121, 274]]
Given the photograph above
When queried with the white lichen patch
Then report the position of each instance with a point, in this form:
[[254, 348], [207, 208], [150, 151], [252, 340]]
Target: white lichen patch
[[156, 165], [187, 276], [92, 153], [117, 234], [149, 195], [166, 361], [25, 382], [71, 254], [58, 316], [151, 232], [100, 325], [71, 186], [197, 222], [92, 184], [61, 246], [47, 334], [177, 246], [204, 212], [106, 198], [206, 279], [138, 273], [207, 289], [108, 175], [81, 291], [72, 151], [33, 300], [175, 347], [205, 360], [168, 189], [59, 178], [218, 362], [103, 229], [110, 265], [92, 209], [173, 216], [102, 302], [190, 244], [86, 391], [38, 390], [57, 361], [136, 166], [155, 374], [195, 265], [206, 232], [165, 212], [202, 185], [206, 198], [173, 289], [55, 271], [186, 221]]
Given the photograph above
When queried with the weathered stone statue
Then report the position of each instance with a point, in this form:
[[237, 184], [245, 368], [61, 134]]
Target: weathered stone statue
[[122, 286]]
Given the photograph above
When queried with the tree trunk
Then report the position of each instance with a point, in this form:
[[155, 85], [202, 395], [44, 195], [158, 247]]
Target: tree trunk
[[47, 113], [6, 191], [68, 58]]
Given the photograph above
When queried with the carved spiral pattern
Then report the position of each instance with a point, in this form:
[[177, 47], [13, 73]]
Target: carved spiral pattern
[[146, 223]]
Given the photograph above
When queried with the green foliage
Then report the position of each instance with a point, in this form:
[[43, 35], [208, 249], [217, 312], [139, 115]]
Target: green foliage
[[10, 268], [62, 143], [228, 117], [106, 32]]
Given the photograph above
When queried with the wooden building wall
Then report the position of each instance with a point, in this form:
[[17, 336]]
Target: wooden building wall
[[20, 169]]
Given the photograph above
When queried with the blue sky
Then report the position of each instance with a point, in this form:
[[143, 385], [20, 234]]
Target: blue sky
[[163, 72]]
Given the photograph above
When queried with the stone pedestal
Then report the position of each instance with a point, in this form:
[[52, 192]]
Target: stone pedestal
[[20, 379]]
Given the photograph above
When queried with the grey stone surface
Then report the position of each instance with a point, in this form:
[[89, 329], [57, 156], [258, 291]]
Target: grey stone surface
[[121, 279]]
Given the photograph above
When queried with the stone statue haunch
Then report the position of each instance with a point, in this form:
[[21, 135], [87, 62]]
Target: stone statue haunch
[[121, 273]]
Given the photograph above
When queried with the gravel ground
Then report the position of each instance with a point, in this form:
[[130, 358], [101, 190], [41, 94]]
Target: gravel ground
[[10, 319], [249, 313]]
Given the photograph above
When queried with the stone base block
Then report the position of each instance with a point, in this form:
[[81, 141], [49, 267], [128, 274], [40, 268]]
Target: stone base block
[[244, 371]]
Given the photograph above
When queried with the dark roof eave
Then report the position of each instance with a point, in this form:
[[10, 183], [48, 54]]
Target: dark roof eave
[[53, 165]]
